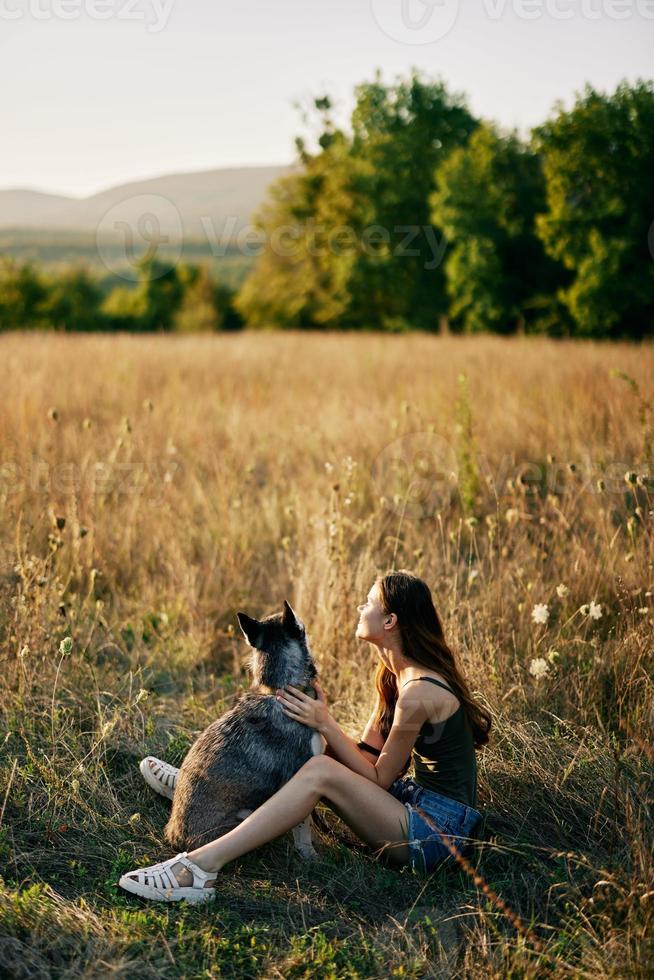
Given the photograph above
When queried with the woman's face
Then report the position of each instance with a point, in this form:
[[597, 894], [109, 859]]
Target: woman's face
[[371, 618]]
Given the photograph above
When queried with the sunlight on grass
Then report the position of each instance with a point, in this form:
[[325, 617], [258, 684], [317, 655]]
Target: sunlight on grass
[[151, 487]]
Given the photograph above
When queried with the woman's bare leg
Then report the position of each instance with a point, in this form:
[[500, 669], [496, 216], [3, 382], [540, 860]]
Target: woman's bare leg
[[370, 811]]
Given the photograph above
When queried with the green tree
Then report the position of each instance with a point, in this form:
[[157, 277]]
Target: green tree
[[123, 309], [402, 134], [152, 305], [598, 161], [308, 227], [206, 305], [348, 241], [22, 295], [162, 294], [73, 301], [498, 275]]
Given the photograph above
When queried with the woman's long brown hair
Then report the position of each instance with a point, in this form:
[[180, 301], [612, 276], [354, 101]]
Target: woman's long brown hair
[[423, 641]]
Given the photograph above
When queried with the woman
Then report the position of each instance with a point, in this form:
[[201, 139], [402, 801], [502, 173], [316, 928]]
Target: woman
[[424, 707]]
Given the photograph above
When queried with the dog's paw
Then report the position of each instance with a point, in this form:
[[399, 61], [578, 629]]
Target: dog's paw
[[308, 853]]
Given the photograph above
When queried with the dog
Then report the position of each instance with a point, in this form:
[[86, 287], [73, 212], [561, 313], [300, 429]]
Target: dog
[[241, 759]]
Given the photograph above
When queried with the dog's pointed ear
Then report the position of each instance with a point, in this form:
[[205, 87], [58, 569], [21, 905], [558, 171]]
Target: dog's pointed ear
[[289, 619], [251, 628]]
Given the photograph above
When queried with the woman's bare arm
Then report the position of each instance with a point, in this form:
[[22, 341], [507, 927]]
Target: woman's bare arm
[[371, 733], [372, 737]]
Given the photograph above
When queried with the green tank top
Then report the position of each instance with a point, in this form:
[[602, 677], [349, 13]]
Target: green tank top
[[444, 755]]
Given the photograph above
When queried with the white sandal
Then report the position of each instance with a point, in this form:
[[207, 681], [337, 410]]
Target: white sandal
[[160, 883], [158, 774]]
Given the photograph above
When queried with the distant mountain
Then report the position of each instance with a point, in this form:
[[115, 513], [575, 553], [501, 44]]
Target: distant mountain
[[27, 209], [197, 206]]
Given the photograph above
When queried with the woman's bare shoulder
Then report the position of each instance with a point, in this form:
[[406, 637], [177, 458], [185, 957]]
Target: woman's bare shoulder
[[438, 702]]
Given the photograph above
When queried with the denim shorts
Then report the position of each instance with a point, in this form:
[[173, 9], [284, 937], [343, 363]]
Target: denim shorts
[[456, 820]]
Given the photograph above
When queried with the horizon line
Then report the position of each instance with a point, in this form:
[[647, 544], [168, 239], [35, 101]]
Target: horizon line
[[145, 179]]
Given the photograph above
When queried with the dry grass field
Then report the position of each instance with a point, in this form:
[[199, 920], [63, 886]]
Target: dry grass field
[[150, 487]]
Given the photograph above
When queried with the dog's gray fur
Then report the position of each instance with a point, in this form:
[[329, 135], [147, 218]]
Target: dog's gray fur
[[244, 757]]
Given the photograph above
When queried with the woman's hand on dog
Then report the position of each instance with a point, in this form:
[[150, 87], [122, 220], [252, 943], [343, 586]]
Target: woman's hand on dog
[[300, 707]]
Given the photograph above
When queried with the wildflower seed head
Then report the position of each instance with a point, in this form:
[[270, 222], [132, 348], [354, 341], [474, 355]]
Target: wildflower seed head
[[539, 668], [540, 613], [595, 610]]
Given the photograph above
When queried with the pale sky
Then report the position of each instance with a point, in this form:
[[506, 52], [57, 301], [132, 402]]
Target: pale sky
[[99, 92]]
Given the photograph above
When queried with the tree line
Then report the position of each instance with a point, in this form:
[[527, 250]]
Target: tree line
[[182, 297], [422, 216], [445, 218]]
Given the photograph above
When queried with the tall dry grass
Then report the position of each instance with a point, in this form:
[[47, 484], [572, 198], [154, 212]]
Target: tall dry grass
[[152, 486]]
